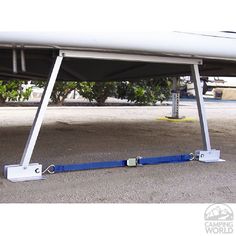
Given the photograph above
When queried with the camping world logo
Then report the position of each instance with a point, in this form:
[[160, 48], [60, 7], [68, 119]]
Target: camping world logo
[[219, 219]]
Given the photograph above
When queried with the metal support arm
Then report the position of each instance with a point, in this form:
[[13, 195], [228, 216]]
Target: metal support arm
[[26, 171], [201, 109], [207, 154], [40, 114]]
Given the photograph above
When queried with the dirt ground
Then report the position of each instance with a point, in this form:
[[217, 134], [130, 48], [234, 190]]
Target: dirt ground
[[85, 134]]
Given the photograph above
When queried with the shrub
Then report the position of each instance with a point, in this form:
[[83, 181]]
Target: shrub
[[12, 90], [97, 91], [145, 92], [60, 91]]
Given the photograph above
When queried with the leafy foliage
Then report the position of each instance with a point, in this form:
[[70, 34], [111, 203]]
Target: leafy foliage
[[145, 92], [60, 91], [12, 90], [98, 91]]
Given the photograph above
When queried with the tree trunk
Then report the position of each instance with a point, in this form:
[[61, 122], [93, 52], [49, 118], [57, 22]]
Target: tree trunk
[[101, 101], [2, 100]]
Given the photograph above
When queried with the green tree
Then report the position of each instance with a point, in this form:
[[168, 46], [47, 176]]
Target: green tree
[[145, 92], [12, 90], [97, 91], [60, 91]]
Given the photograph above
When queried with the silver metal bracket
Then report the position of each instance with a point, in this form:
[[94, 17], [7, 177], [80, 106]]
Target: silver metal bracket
[[18, 173], [112, 55], [212, 155]]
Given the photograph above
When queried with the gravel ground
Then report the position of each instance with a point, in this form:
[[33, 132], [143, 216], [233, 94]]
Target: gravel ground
[[82, 134]]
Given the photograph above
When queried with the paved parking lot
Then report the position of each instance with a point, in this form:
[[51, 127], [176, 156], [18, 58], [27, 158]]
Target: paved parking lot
[[84, 134]]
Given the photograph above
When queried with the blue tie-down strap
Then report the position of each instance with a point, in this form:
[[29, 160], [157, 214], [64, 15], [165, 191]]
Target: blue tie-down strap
[[164, 159], [120, 163], [89, 166]]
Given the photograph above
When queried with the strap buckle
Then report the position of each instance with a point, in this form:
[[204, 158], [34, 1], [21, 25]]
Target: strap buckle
[[131, 162]]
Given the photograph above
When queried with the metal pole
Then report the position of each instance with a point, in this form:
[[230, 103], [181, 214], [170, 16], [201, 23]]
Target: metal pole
[[22, 55], [201, 109], [25, 160], [14, 60]]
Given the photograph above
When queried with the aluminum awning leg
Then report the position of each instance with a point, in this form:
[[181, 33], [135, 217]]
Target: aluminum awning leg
[[26, 171], [207, 154]]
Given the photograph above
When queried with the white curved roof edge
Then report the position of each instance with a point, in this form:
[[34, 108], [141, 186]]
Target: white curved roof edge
[[214, 45]]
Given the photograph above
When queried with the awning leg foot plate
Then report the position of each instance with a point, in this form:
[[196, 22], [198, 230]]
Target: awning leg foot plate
[[212, 155], [18, 173]]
